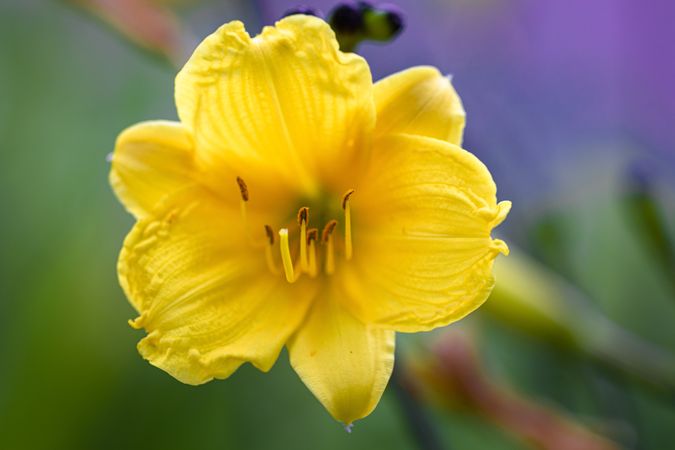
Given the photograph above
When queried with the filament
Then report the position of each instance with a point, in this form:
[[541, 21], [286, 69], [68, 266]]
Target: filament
[[311, 239], [303, 218], [330, 256]]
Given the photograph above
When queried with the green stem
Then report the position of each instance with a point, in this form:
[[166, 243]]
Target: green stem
[[420, 425], [534, 300], [651, 228]]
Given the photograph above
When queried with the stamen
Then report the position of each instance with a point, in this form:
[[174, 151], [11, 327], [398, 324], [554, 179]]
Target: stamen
[[269, 257], [286, 255], [327, 238], [303, 218], [312, 236], [243, 189], [348, 224]]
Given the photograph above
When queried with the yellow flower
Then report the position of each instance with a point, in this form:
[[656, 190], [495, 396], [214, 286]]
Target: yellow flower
[[296, 203]]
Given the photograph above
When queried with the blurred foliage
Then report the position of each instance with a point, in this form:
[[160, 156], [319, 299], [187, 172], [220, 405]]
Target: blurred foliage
[[149, 24], [451, 374], [70, 377]]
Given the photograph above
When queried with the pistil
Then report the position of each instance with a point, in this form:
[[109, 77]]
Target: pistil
[[286, 259]]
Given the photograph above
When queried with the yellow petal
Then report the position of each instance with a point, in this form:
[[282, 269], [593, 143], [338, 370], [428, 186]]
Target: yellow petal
[[151, 160], [422, 248], [205, 297], [419, 101], [286, 102], [345, 363]]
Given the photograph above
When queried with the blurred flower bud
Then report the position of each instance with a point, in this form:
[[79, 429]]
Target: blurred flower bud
[[383, 23], [347, 19], [355, 22], [302, 9]]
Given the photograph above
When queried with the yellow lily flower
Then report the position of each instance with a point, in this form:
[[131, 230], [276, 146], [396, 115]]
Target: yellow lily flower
[[297, 203]]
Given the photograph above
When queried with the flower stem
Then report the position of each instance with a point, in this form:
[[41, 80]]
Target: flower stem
[[420, 425]]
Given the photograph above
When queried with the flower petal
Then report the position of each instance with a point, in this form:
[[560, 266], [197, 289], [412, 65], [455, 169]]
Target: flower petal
[[422, 248], [345, 363], [286, 102], [419, 101], [151, 160], [205, 296]]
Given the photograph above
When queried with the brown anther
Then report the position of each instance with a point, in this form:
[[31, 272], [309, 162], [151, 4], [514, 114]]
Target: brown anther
[[328, 230], [243, 189], [345, 198], [270, 234], [303, 215], [312, 234]]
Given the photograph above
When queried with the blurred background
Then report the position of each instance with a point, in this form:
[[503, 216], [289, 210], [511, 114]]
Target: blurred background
[[571, 106]]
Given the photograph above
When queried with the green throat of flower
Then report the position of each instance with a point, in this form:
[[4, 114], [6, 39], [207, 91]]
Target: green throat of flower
[[315, 252]]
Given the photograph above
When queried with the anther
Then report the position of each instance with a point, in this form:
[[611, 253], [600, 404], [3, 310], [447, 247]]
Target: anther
[[327, 238], [345, 198], [348, 224], [243, 189], [286, 255], [312, 236], [303, 218], [270, 234], [328, 230], [303, 214]]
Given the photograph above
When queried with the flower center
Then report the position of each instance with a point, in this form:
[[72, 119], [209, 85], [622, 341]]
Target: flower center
[[313, 249]]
